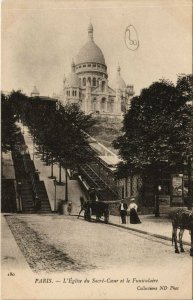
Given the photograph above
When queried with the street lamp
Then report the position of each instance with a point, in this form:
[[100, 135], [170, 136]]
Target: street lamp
[[66, 186], [157, 212]]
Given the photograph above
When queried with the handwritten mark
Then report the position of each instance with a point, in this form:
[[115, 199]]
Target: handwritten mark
[[131, 38]]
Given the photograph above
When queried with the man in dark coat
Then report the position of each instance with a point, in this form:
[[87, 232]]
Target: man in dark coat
[[123, 211]]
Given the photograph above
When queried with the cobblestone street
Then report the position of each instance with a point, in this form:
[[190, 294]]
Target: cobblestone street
[[57, 244], [40, 255], [65, 256]]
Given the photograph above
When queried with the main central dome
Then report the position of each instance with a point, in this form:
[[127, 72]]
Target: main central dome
[[90, 52]]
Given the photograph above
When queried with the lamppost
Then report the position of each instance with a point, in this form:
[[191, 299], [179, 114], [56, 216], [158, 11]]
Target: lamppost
[[55, 183], [66, 186], [157, 212]]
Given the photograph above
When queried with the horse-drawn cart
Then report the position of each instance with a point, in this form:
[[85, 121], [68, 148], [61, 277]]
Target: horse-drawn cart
[[97, 208]]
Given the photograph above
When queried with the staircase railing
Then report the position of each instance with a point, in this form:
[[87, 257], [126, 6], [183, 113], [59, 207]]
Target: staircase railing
[[107, 187], [103, 193]]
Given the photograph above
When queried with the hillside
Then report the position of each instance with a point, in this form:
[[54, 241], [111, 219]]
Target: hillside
[[105, 131]]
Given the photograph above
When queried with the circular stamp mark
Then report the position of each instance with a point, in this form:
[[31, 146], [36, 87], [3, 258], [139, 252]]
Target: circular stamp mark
[[131, 38]]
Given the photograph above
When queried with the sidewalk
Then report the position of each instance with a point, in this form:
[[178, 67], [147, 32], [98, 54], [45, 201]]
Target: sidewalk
[[160, 227], [11, 256]]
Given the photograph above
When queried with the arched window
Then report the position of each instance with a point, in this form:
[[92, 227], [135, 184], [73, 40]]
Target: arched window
[[94, 104], [103, 85], [74, 93], [89, 80], [94, 81], [84, 81]]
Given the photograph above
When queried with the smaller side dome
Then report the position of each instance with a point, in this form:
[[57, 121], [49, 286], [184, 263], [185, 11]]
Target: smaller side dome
[[72, 79], [119, 82]]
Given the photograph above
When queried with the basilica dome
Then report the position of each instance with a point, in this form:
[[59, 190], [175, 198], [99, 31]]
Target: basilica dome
[[90, 52]]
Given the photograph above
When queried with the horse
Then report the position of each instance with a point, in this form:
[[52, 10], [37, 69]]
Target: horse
[[83, 206], [182, 219]]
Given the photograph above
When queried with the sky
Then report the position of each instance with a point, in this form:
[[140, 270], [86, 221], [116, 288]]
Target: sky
[[40, 39]]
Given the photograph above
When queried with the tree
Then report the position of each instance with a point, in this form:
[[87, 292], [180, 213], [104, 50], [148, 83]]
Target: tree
[[18, 102], [69, 142], [61, 131], [185, 86], [155, 131], [8, 127]]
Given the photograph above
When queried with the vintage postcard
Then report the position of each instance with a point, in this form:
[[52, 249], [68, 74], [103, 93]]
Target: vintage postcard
[[97, 149]]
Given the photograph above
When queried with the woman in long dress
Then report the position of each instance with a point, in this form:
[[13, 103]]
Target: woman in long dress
[[134, 219]]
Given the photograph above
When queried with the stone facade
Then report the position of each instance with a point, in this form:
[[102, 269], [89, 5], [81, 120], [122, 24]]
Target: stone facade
[[87, 84]]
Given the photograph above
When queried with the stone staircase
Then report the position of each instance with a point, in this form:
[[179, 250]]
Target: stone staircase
[[27, 198], [29, 187], [42, 194]]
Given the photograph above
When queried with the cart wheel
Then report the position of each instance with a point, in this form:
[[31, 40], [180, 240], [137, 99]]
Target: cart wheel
[[97, 218], [89, 214], [106, 217]]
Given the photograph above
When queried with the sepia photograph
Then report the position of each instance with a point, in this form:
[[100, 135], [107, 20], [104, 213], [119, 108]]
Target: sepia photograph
[[96, 149]]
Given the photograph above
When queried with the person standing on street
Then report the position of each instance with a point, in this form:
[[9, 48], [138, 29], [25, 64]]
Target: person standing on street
[[123, 211], [134, 219]]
